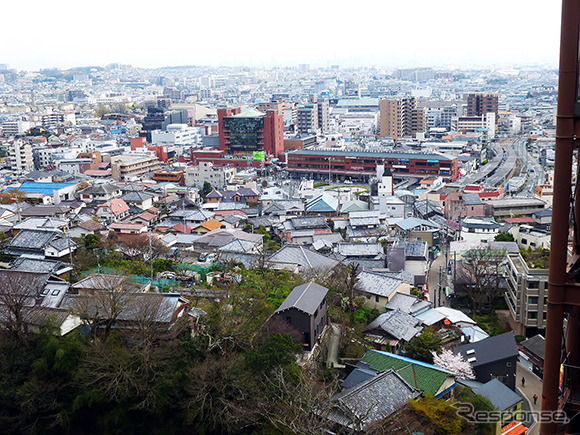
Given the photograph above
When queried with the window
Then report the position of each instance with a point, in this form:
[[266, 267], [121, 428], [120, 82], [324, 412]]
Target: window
[[377, 299], [532, 315], [55, 292], [533, 284], [532, 300], [524, 241]]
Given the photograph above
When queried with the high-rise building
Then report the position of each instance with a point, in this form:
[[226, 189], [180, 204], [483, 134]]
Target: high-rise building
[[20, 156], [482, 103], [400, 117], [307, 118], [250, 130]]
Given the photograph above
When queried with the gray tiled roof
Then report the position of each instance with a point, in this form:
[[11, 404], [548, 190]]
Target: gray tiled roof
[[304, 257], [32, 239], [376, 283], [360, 249], [38, 265], [407, 303], [306, 297], [371, 400], [398, 324]]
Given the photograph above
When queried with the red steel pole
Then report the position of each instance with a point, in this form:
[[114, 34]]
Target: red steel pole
[[558, 276]]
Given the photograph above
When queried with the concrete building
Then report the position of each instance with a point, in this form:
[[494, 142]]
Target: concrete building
[[526, 294], [176, 134], [20, 156], [529, 237], [218, 176], [479, 104], [127, 166], [400, 117], [15, 128]]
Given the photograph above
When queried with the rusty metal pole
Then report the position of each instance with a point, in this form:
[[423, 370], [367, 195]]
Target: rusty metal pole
[[558, 276]]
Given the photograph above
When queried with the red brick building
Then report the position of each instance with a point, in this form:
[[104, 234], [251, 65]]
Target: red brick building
[[245, 131]]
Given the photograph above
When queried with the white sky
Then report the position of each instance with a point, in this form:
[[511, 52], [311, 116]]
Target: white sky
[[153, 33]]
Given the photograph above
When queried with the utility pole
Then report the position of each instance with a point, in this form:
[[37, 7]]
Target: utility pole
[[151, 257], [439, 289]]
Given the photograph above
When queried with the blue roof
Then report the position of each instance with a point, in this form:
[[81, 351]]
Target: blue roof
[[498, 394], [34, 187], [409, 360]]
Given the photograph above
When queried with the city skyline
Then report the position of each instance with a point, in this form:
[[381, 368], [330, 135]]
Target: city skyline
[[447, 34]]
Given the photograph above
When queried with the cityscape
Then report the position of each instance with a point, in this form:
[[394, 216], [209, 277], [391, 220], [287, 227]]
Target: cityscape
[[287, 245]]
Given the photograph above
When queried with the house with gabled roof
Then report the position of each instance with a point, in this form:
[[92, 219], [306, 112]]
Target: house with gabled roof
[[493, 357], [425, 377], [143, 200], [40, 244], [378, 288], [99, 192], [299, 258], [393, 327], [370, 401], [114, 210], [208, 226], [305, 309]]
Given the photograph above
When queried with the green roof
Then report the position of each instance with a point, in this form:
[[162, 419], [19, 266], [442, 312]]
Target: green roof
[[426, 377], [371, 154]]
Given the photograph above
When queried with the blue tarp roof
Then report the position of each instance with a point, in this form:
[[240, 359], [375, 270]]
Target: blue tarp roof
[[34, 187]]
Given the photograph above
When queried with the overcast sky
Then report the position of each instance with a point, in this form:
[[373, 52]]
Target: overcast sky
[[393, 33]]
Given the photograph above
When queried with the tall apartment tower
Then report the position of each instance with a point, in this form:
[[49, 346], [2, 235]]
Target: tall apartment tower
[[20, 156], [482, 103], [400, 117]]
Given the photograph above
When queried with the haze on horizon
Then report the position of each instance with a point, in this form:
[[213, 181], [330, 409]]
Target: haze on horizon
[[449, 33]]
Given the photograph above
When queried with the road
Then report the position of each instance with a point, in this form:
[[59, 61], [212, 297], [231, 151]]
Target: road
[[533, 386], [433, 280]]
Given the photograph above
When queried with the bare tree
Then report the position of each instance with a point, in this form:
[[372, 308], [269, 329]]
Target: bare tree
[[19, 293], [480, 275], [101, 300], [345, 280]]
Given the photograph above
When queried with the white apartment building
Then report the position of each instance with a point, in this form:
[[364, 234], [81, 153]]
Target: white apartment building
[[20, 156], [176, 134], [218, 177], [15, 128], [58, 119], [43, 157]]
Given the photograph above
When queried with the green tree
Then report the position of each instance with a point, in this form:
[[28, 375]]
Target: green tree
[[278, 350], [504, 236], [421, 346], [206, 189]]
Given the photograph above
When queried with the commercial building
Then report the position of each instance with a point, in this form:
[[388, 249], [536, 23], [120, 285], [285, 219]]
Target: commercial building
[[324, 164], [400, 117], [244, 131]]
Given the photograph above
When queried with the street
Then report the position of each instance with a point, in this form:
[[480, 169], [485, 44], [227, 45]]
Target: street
[[433, 280]]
